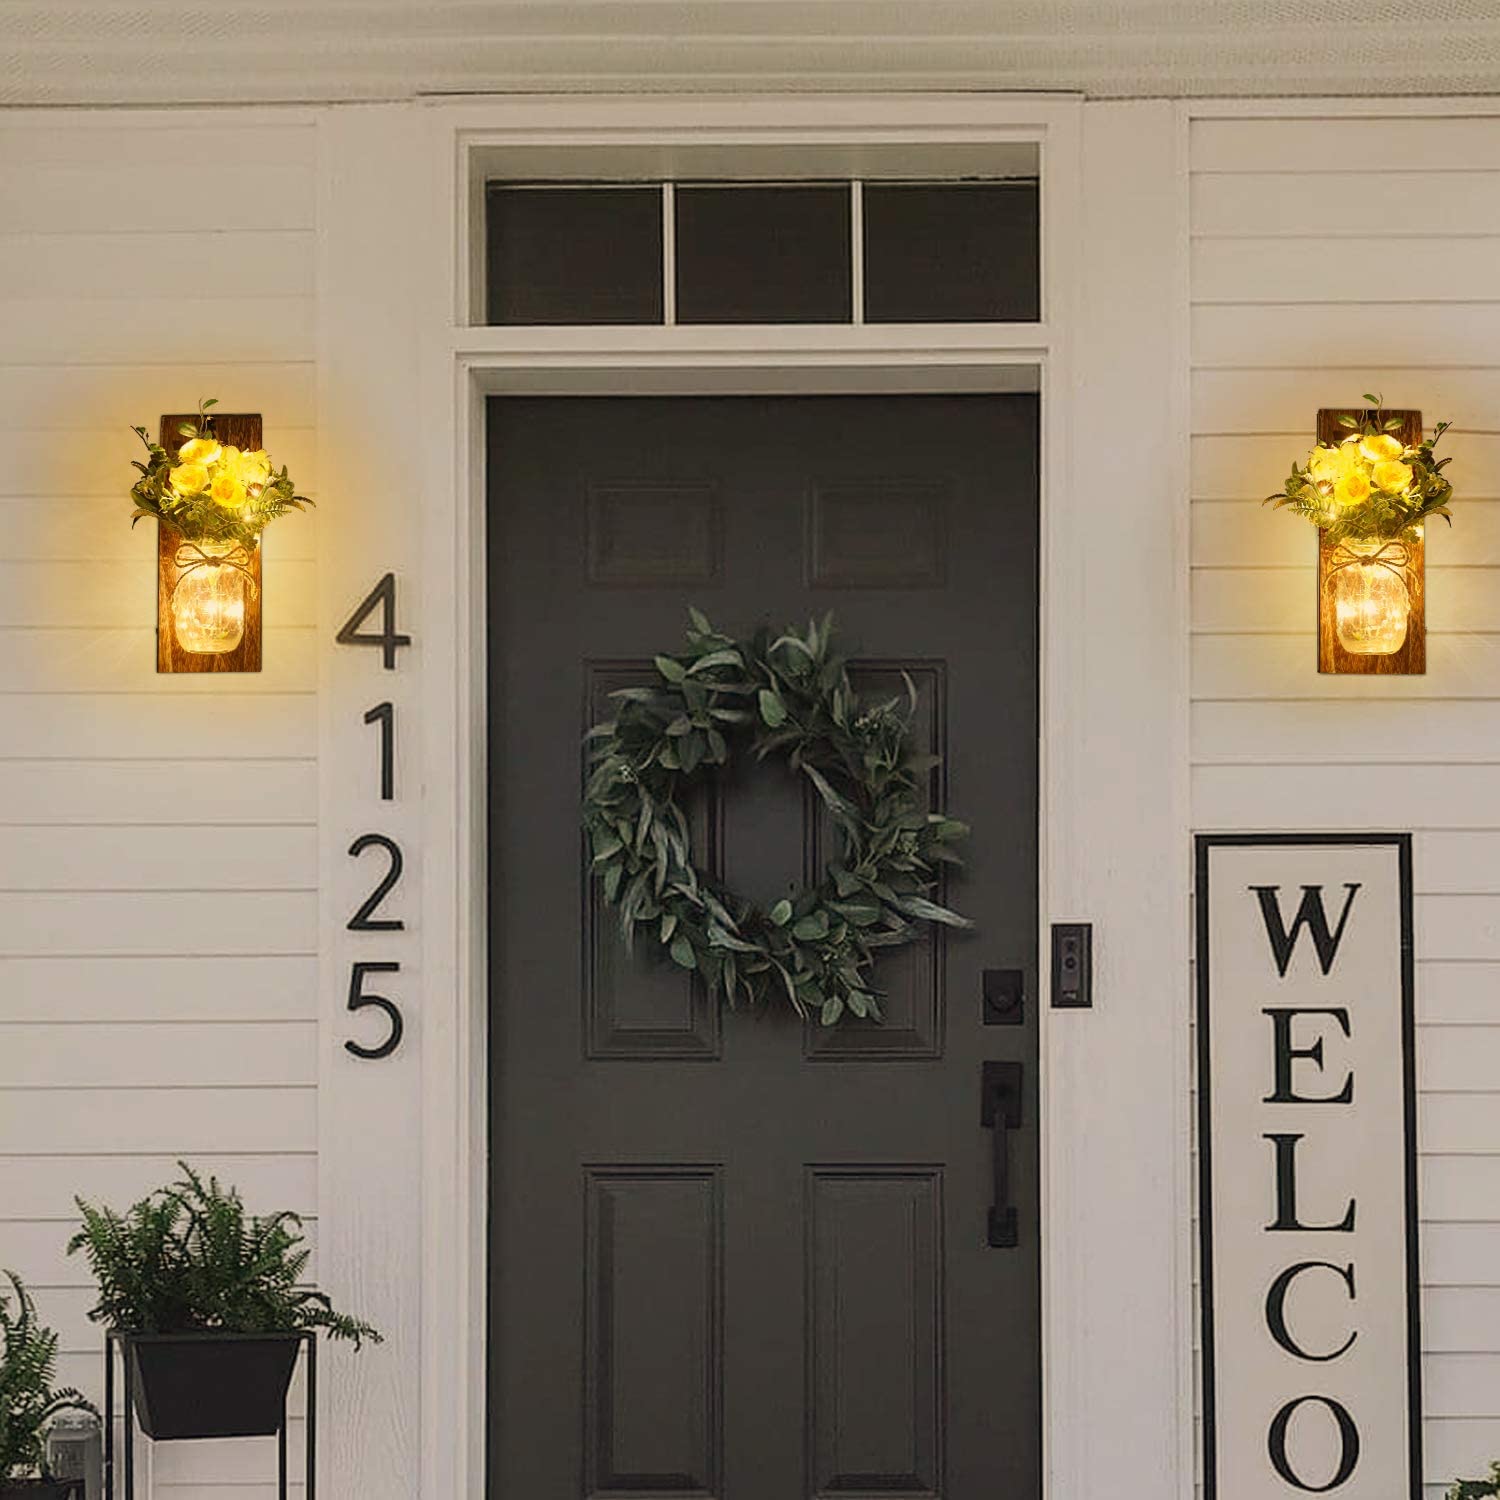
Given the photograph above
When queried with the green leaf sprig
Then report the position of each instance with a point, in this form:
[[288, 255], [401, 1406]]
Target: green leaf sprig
[[788, 696]]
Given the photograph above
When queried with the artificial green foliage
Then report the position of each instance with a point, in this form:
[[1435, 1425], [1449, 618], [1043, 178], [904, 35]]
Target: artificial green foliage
[[1476, 1489], [28, 1399], [198, 516], [188, 1258], [1392, 513], [789, 696]]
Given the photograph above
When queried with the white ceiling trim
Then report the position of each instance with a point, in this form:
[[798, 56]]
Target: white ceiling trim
[[172, 52]]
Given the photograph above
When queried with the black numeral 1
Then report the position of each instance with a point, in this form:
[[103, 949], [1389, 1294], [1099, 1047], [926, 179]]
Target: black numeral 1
[[384, 714]]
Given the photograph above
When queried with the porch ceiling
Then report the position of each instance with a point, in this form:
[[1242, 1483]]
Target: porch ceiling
[[55, 52]]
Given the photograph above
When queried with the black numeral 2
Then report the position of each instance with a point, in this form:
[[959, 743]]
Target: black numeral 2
[[364, 919]]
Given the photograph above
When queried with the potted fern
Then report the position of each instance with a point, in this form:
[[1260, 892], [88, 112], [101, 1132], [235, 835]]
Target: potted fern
[[209, 1306], [29, 1401]]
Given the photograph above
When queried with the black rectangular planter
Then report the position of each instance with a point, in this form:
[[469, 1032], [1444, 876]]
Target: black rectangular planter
[[208, 1385], [211, 1385], [41, 1489]]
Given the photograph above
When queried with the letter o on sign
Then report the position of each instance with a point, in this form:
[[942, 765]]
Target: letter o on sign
[[1348, 1444]]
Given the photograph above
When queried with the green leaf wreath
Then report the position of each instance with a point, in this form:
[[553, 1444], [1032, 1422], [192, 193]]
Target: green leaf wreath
[[789, 696]]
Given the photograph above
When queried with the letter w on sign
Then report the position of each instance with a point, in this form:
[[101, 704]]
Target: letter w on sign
[[1310, 914]]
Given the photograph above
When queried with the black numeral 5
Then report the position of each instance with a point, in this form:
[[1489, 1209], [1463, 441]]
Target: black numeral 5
[[358, 1000]]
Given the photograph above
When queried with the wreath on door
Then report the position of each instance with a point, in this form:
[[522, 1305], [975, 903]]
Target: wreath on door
[[789, 696]]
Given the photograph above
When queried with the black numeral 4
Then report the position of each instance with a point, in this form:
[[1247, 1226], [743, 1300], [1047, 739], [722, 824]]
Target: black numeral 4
[[383, 598]]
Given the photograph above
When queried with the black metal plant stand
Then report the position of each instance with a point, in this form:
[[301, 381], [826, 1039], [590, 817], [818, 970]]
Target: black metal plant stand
[[113, 1340]]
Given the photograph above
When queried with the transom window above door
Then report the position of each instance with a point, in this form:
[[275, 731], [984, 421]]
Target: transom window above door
[[843, 252]]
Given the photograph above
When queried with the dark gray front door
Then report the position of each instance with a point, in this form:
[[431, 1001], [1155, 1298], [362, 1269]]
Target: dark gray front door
[[732, 1255]]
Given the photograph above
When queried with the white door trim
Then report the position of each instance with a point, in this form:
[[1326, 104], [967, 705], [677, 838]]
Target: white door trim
[[1108, 361]]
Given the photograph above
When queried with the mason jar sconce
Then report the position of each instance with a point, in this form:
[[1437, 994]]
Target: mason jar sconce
[[208, 594], [1372, 595]]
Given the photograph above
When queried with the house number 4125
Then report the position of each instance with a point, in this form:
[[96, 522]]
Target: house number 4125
[[381, 598]]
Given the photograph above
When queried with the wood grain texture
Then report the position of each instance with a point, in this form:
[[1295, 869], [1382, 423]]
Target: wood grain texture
[[244, 431], [1411, 659]]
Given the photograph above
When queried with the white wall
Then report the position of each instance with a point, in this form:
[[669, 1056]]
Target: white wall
[[1332, 257], [158, 834]]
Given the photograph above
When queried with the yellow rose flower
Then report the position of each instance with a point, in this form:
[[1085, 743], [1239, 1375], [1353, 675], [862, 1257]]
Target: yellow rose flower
[[227, 489], [1353, 488], [1381, 448], [229, 459], [1392, 476], [198, 451], [189, 479]]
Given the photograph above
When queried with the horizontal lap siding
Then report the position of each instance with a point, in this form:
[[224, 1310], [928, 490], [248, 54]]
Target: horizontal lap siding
[[1329, 258], [158, 835]]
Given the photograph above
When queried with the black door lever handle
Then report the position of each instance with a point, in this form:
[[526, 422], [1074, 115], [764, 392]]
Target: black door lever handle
[[1000, 1111]]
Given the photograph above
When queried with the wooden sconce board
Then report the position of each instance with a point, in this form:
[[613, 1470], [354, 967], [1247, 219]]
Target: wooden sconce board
[[243, 430], [1411, 659]]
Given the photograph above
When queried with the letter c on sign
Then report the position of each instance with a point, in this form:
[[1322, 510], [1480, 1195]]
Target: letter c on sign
[[1276, 1308], [1348, 1444]]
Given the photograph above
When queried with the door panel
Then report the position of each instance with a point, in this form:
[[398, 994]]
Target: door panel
[[875, 1356], [652, 1370], [733, 1255]]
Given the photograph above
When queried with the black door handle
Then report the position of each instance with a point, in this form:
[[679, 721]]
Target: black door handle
[[1000, 1111]]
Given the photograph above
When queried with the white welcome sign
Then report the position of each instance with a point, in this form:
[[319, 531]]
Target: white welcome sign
[[1307, 1163]]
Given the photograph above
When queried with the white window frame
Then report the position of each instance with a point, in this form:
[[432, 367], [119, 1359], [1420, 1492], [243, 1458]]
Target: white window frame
[[401, 219]]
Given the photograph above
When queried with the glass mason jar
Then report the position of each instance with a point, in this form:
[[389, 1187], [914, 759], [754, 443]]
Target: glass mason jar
[[208, 603], [1370, 603]]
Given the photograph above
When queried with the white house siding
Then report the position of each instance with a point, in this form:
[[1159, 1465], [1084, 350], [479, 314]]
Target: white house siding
[[159, 925], [1332, 257], [158, 838]]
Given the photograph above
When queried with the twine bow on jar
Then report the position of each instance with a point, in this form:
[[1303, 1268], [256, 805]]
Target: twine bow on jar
[[189, 557], [1395, 556]]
